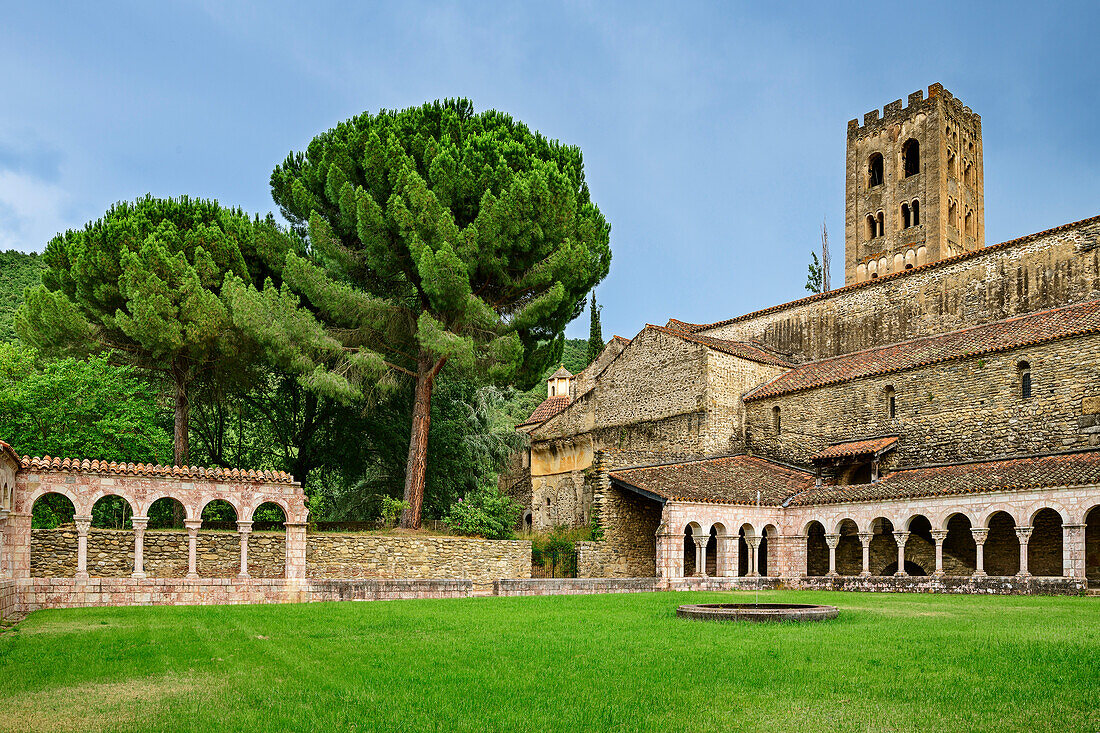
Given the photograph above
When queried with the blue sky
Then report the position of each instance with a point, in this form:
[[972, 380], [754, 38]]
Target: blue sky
[[713, 133]]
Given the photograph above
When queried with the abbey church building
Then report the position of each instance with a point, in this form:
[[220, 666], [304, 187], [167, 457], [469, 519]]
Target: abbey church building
[[934, 423]]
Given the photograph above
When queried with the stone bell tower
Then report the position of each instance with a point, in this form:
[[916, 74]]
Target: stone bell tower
[[913, 189]]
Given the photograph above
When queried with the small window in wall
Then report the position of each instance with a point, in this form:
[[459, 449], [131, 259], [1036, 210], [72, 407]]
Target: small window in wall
[[1025, 379], [874, 170], [905, 221], [881, 221], [952, 214], [951, 165], [969, 223], [968, 174], [871, 227], [891, 403], [910, 154], [915, 208], [777, 420]]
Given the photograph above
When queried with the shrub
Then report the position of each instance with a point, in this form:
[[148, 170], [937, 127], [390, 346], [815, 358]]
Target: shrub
[[391, 510], [484, 512]]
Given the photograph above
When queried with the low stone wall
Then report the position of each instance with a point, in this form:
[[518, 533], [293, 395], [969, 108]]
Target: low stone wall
[[389, 556], [337, 555], [575, 586], [111, 553], [40, 593], [986, 585], [9, 599]]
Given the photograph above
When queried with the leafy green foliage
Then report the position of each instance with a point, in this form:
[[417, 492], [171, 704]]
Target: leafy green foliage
[[815, 279], [79, 408], [51, 511], [18, 271], [391, 510], [484, 512], [145, 281]]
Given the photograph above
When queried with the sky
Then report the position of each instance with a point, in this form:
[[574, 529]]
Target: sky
[[713, 134]]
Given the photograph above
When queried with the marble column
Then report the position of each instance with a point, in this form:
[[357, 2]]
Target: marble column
[[832, 540], [244, 529], [754, 544], [979, 541], [140, 523], [865, 540], [1024, 534], [901, 536], [83, 523], [939, 535], [701, 554], [193, 526]]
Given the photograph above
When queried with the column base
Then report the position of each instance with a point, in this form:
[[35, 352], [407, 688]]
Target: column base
[[81, 576], [978, 574], [1023, 574], [139, 576], [938, 574], [865, 574], [832, 575], [192, 576], [900, 574], [243, 576]]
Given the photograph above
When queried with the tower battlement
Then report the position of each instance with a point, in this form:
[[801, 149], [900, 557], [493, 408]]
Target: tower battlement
[[914, 185]]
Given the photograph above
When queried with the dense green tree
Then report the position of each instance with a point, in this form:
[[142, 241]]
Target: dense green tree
[[438, 236], [145, 282], [79, 408], [816, 275], [18, 271], [595, 331]]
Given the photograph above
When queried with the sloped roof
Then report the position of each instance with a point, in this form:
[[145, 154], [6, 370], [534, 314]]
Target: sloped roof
[[9, 452], [46, 464], [561, 373], [1064, 469], [734, 348], [872, 446], [726, 480], [877, 282], [550, 406], [1027, 330]]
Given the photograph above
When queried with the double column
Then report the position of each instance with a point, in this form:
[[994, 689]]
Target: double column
[[939, 535], [865, 540], [832, 540], [980, 534], [1024, 535], [901, 537], [701, 554]]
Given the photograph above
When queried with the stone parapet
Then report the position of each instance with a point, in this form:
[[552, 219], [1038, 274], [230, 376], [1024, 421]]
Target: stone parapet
[[974, 585]]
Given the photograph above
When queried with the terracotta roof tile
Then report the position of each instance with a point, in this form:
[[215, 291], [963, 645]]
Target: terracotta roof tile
[[9, 451], [696, 327], [734, 348], [1026, 330], [550, 406], [727, 480], [47, 464], [1066, 469], [872, 446]]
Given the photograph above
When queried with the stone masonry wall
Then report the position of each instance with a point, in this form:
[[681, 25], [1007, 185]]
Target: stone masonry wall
[[1034, 273], [386, 556], [958, 410], [629, 549], [111, 555]]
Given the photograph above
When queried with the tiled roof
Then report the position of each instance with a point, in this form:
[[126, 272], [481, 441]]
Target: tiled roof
[[561, 373], [621, 338], [1066, 469], [47, 464], [1026, 330], [872, 446], [727, 480], [9, 451], [550, 406], [734, 348], [696, 327]]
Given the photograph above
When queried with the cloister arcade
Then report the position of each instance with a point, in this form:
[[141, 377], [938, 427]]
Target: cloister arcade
[[138, 499], [1046, 537]]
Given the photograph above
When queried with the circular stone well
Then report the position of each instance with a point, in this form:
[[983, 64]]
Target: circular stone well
[[757, 612]]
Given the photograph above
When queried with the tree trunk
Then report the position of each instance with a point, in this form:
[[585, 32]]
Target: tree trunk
[[183, 414], [426, 369]]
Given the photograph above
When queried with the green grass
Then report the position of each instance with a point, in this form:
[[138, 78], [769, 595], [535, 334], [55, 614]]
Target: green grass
[[615, 662]]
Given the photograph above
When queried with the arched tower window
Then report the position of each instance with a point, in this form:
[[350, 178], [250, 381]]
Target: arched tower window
[[905, 222], [969, 223], [951, 170], [871, 227], [968, 174], [777, 421], [891, 402], [910, 156], [952, 214], [874, 170], [1025, 379], [915, 208], [881, 224]]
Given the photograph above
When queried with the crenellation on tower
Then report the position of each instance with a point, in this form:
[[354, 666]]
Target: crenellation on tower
[[914, 185]]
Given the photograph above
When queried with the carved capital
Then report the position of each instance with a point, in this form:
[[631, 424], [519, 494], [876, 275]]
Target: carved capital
[[83, 523], [865, 538], [244, 527], [979, 534], [939, 535], [192, 525], [900, 536], [1024, 533], [832, 540], [140, 523]]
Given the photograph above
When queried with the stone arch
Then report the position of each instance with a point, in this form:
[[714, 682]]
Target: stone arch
[[849, 549], [960, 551], [53, 539], [899, 262], [880, 224], [33, 498], [1045, 546], [884, 548], [920, 547], [746, 530], [989, 511], [209, 499], [915, 209], [817, 550], [910, 157], [1091, 520], [111, 510], [875, 170], [691, 531], [906, 221], [922, 255], [166, 512], [1039, 506], [765, 554], [861, 272], [1001, 553], [250, 511]]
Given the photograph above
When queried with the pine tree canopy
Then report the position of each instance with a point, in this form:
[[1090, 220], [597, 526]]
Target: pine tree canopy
[[437, 236], [145, 282]]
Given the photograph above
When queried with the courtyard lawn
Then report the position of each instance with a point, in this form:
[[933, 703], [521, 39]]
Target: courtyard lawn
[[612, 662]]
